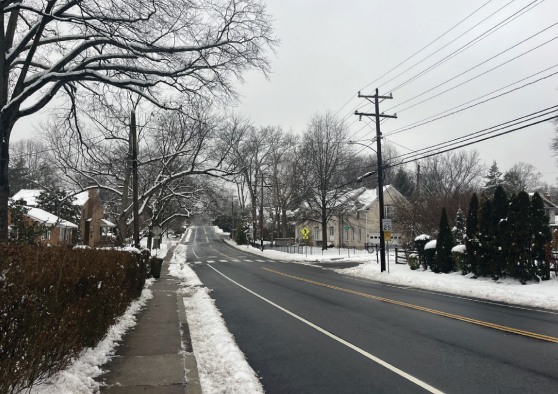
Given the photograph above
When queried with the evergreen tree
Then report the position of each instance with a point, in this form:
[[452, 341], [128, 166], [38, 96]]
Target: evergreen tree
[[240, 237], [56, 202], [493, 179], [444, 244], [403, 182], [498, 228], [519, 237], [471, 242], [541, 236], [23, 230], [458, 231], [485, 235]]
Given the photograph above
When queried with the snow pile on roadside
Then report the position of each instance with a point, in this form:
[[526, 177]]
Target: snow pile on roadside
[[221, 364], [296, 257], [507, 290], [78, 378], [220, 231]]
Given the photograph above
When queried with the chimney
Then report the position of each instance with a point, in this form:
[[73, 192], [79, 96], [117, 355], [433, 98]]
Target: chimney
[[547, 196], [22, 202], [92, 192]]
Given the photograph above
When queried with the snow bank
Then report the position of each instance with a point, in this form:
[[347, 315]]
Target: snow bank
[[363, 256], [220, 231], [78, 378], [221, 364], [537, 295]]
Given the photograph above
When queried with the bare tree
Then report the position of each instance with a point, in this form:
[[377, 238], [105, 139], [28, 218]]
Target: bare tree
[[447, 180], [175, 150], [522, 177], [326, 156], [162, 50]]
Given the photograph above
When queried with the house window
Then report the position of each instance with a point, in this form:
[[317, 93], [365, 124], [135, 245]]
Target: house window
[[316, 233], [347, 236], [46, 235], [389, 211], [359, 234], [62, 234], [332, 231], [358, 215], [353, 232]]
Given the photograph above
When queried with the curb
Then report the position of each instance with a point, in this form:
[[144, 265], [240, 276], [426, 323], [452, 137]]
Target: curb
[[190, 364]]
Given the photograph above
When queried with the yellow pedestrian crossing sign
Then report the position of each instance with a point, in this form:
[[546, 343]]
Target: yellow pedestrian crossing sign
[[387, 236], [305, 233]]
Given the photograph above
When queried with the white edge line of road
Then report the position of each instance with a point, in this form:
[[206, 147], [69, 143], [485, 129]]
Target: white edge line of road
[[401, 373]]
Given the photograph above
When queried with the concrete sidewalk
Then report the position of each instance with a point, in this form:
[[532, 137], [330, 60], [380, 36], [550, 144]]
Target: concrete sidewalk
[[150, 359]]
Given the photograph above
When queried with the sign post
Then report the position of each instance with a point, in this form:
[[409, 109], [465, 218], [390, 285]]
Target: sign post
[[157, 236]]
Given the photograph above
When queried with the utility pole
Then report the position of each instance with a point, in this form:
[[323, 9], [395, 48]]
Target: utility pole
[[134, 139], [418, 181], [375, 99], [261, 216], [232, 213]]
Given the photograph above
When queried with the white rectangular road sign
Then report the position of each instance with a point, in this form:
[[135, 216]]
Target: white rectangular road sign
[[386, 224]]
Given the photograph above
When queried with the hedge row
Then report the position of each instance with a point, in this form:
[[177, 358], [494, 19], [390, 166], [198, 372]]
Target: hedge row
[[54, 302]]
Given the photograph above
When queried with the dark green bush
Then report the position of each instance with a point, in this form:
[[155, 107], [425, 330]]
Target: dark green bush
[[54, 302]]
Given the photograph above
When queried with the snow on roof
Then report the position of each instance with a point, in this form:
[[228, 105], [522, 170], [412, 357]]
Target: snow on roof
[[459, 249], [28, 195], [370, 196], [48, 218], [81, 198], [430, 245], [106, 223]]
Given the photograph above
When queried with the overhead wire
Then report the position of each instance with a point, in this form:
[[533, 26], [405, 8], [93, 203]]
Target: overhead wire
[[416, 53], [445, 113], [469, 44]]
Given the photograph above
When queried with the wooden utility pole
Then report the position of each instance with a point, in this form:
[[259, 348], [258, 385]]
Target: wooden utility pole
[[134, 139], [375, 99], [261, 216]]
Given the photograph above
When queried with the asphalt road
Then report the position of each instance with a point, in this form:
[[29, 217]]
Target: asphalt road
[[305, 329]]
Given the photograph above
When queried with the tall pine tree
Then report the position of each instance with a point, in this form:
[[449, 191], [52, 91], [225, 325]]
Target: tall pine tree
[[493, 179], [520, 263], [458, 230], [499, 222], [541, 236], [484, 252], [444, 244], [471, 242]]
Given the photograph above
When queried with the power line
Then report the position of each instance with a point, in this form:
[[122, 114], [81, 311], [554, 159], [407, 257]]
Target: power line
[[468, 45], [416, 53], [478, 65], [443, 114], [480, 133], [471, 143]]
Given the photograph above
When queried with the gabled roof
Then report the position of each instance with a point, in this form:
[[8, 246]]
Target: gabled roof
[[28, 195], [48, 218], [545, 200]]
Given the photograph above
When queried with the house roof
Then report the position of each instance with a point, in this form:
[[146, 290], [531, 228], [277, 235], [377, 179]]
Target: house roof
[[370, 196], [106, 223], [545, 200], [28, 195], [48, 218]]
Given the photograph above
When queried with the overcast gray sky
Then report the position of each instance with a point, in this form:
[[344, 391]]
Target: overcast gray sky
[[332, 49]]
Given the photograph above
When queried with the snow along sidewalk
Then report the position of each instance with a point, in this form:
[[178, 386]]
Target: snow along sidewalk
[[538, 295], [221, 364]]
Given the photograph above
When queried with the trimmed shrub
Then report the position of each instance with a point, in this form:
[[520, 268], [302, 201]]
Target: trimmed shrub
[[54, 302], [430, 256], [459, 253], [420, 242], [240, 237], [413, 261]]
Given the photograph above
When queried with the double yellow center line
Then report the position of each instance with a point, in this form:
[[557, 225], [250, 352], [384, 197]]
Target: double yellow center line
[[420, 308]]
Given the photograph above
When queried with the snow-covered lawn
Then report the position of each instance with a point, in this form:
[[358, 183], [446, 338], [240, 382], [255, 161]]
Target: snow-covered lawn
[[221, 364], [316, 256], [539, 295], [78, 378]]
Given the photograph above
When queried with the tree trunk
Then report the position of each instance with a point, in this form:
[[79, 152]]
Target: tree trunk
[[324, 227], [5, 131], [284, 220]]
